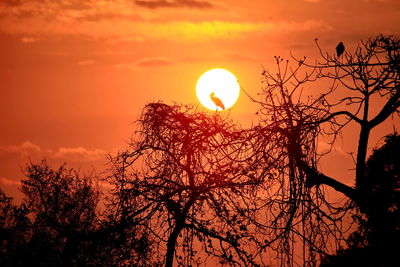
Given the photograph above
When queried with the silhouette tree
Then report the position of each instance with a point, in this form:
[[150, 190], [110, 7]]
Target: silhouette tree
[[14, 231], [188, 178], [58, 223], [376, 240], [369, 78], [383, 191], [63, 210]]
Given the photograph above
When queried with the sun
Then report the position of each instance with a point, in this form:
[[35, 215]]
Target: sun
[[217, 89]]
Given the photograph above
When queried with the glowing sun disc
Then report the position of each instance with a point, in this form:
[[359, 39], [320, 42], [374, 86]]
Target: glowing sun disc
[[222, 83]]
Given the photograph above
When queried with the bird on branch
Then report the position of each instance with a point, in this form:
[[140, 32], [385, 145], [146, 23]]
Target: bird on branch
[[340, 49], [217, 101]]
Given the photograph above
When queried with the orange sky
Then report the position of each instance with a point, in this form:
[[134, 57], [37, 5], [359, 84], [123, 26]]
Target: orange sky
[[74, 74]]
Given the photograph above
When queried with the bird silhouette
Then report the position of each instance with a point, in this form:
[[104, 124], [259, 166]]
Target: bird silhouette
[[340, 49], [217, 101]]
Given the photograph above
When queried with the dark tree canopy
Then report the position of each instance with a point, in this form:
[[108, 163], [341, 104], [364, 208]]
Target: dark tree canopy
[[13, 231], [58, 223], [376, 240], [57, 212]]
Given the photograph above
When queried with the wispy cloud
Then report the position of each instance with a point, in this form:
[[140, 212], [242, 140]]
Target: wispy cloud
[[179, 31], [145, 63], [79, 154], [28, 40], [23, 149], [153, 4], [153, 62], [28, 149], [242, 57], [8, 181], [85, 62], [325, 147], [121, 20], [12, 2]]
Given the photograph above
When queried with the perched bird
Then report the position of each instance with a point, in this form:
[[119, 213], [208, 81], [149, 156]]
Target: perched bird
[[340, 49], [217, 101]]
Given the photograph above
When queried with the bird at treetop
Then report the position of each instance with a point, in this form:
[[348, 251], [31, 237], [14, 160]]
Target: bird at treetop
[[339, 49], [217, 101]]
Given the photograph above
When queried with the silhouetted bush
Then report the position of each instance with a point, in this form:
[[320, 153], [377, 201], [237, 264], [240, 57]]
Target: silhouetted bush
[[58, 224]]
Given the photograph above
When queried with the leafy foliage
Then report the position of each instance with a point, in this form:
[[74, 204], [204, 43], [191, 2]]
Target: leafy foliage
[[58, 223], [376, 240]]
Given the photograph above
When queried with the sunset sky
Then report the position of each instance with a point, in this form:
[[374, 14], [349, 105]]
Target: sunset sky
[[75, 74]]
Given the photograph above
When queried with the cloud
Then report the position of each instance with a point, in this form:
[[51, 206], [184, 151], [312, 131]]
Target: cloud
[[145, 63], [27, 40], [120, 20], [325, 147], [241, 57], [175, 31], [85, 62], [12, 2], [28, 149], [234, 56], [7, 181], [23, 149], [153, 4], [186, 31], [153, 62], [53, 11], [79, 154]]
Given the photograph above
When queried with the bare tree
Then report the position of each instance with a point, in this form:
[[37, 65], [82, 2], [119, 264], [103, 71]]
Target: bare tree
[[189, 179], [370, 79]]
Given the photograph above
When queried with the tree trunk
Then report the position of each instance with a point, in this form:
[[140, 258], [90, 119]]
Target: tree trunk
[[361, 157], [172, 243]]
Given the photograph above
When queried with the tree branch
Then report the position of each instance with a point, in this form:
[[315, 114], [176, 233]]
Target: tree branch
[[391, 105], [350, 115], [314, 177]]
